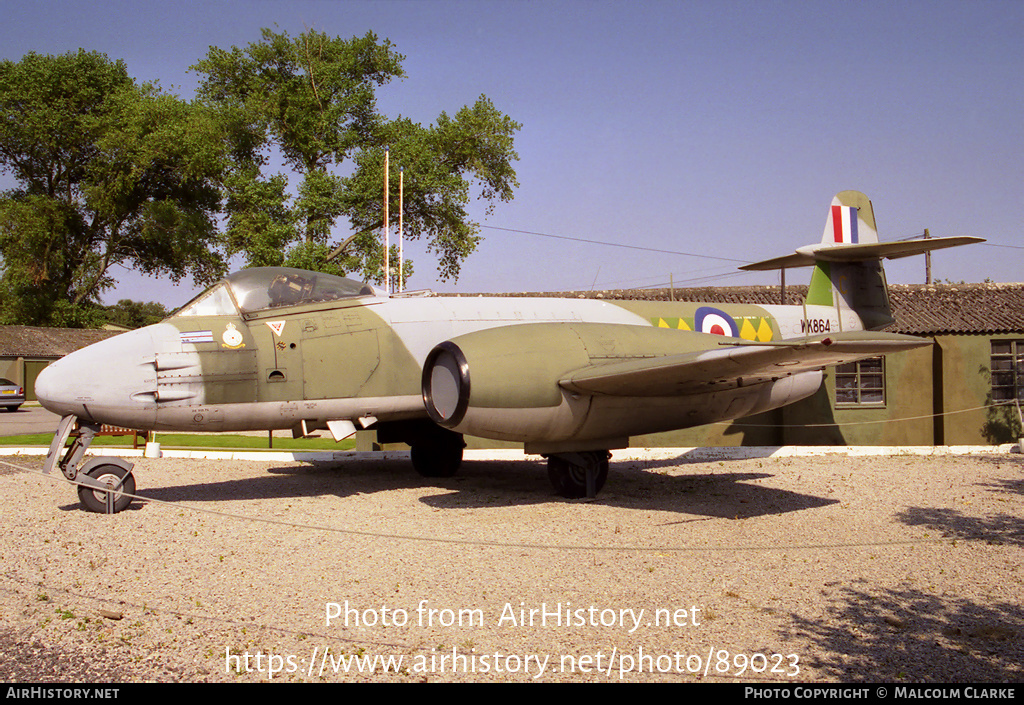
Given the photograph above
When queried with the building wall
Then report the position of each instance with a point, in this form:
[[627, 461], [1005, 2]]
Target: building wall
[[936, 395], [966, 384], [32, 370], [818, 420], [11, 368], [903, 419]]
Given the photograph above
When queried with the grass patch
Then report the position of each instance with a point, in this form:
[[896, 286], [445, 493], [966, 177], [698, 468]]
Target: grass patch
[[197, 440]]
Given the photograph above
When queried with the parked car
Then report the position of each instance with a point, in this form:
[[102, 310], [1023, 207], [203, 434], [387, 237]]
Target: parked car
[[11, 395]]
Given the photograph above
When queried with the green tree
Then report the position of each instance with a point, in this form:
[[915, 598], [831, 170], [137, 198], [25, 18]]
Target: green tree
[[313, 99], [134, 314], [108, 173]]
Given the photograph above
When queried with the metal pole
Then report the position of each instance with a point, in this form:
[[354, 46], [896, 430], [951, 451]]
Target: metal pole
[[387, 220], [927, 261], [401, 229]]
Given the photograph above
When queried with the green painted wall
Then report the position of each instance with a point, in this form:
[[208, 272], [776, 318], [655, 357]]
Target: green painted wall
[[11, 368], [938, 395], [903, 419], [967, 385]]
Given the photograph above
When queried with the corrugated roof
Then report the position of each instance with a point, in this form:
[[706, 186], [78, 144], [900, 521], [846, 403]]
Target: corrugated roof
[[723, 295], [33, 341], [958, 308], [918, 308]]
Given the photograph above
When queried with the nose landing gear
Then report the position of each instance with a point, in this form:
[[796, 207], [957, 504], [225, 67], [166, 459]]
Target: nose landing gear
[[105, 485]]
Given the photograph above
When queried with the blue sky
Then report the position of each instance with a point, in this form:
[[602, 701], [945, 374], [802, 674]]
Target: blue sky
[[714, 128]]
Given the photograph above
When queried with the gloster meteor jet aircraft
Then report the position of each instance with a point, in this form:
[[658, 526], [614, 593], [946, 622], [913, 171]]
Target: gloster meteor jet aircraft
[[279, 348]]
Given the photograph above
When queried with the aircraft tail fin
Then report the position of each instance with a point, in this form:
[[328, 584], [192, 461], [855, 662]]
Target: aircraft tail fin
[[851, 221], [847, 263]]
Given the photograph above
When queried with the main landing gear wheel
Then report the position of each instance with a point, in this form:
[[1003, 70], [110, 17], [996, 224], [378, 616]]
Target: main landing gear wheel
[[115, 479], [568, 473], [438, 454]]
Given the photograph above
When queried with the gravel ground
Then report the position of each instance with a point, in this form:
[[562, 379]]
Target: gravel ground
[[790, 569]]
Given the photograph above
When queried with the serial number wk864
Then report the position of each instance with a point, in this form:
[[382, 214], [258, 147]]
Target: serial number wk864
[[815, 325]]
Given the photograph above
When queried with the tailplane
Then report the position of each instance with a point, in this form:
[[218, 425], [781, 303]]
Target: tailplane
[[847, 262]]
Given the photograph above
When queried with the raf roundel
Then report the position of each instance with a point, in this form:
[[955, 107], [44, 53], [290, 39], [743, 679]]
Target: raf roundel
[[715, 321]]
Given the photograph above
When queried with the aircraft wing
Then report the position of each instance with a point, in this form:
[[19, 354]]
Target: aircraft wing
[[806, 256], [735, 363]]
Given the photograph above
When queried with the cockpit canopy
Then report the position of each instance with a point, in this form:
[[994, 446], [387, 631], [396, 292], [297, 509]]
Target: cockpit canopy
[[260, 288]]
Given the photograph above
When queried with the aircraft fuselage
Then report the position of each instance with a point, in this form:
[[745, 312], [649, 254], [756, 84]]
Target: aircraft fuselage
[[279, 348], [360, 359]]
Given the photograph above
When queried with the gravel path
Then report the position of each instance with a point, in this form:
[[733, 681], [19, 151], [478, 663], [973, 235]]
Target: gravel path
[[781, 570]]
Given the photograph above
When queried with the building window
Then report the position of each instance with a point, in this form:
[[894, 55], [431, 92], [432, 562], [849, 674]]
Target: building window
[[1007, 370], [861, 382]]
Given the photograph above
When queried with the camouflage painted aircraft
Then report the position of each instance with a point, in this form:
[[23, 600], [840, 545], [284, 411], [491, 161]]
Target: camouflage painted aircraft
[[278, 348]]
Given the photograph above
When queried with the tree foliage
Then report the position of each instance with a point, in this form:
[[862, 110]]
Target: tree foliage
[[133, 314], [112, 173], [108, 173], [313, 99]]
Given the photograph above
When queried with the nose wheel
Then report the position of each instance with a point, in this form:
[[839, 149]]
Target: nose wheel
[[106, 488]]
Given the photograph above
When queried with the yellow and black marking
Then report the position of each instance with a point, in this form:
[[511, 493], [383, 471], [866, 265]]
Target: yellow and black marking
[[755, 328]]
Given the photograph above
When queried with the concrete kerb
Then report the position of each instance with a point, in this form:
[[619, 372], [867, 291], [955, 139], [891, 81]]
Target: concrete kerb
[[686, 455]]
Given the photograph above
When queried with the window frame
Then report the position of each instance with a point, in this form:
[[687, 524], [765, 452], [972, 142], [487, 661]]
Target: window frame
[[1006, 366], [862, 372]]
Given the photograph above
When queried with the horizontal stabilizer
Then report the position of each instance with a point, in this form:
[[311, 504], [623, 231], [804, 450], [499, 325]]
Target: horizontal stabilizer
[[732, 365], [807, 256]]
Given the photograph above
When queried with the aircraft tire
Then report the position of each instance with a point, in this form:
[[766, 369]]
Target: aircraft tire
[[570, 480], [96, 500], [438, 455]]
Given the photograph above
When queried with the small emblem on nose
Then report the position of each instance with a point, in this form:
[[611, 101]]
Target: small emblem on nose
[[232, 338]]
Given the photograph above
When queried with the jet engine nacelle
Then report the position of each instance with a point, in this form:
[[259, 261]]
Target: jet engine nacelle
[[502, 383]]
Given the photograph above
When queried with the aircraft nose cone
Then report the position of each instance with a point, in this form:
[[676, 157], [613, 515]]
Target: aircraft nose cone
[[102, 381], [48, 389]]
